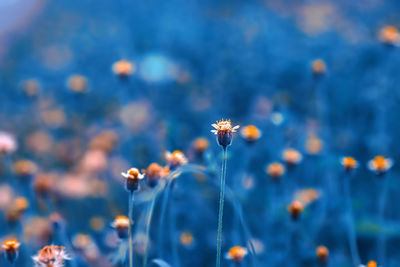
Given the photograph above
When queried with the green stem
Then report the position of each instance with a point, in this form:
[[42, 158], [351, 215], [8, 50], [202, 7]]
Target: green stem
[[130, 229], [221, 206], [148, 222]]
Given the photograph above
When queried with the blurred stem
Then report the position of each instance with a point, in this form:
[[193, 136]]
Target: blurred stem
[[172, 231], [162, 216], [350, 222], [130, 229], [148, 222], [381, 218], [221, 205]]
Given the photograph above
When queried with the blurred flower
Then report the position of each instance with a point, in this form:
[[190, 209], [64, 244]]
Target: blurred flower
[[223, 131], [94, 161], [380, 164], [154, 173], [123, 68], [175, 159], [318, 67], [25, 168], [132, 179], [186, 239], [291, 156], [121, 224], [77, 83], [40, 142], [389, 35], [236, 253], [30, 87], [8, 144], [11, 249], [37, 231], [275, 170], [295, 209], [200, 145], [306, 196], [44, 183], [349, 163], [250, 133], [51, 256], [97, 223], [104, 141], [314, 145], [322, 253]]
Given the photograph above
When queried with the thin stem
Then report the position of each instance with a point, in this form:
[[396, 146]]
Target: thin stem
[[162, 216], [148, 223], [381, 218], [221, 206], [350, 223], [130, 229], [172, 227]]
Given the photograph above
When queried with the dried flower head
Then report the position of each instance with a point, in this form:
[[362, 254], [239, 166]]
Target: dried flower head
[[291, 156], [380, 165], [250, 133], [11, 249], [8, 144], [200, 145], [133, 176], [223, 131], [349, 163], [318, 67], [275, 170], [236, 253], [123, 68], [322, 253], [295, 209], [175, 159], [121, 224], [51, 256], [389, 35]]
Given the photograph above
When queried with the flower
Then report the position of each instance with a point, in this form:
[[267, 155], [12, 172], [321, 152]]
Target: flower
[[223, 131], [275, 170], [389, 35], [175, 159], [186, 238], [380, 164], [77, 83], [314, 145], [250, 133], [349, 163], [121, 224], [370, 264], [123, 68], [200, 145], [291, 156], [322, 253], [295, 209], [236, 253], [155, 172], [11, 249], [132, 179], [25, 168], [8, 144], [51, 256], [318, 67]]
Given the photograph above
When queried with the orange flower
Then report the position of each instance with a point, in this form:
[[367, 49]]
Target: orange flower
[[291, 156], [123, 68], [349, 163], [380, 164], [389, 35], [322, 253], [223, 130], [236, 253], [318, 67], [275, 170], [250, 133], [295, 209]]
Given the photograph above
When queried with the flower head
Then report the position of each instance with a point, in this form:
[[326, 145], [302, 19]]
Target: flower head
[[123, 68], [186, 238], [291, 156], [250, 133], [318, 67], [51, 256], [295, 209], [11, 249], [155, 172], [380, 165], [121, 224], [322, 253], [175, 159], [133, 176], [389, 35], [275, 170], [349, 163], [200, 145], [236, 253], [8, 144], [223, 131]]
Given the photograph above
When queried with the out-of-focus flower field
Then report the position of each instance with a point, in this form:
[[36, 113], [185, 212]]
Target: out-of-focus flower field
[[107, 156]]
